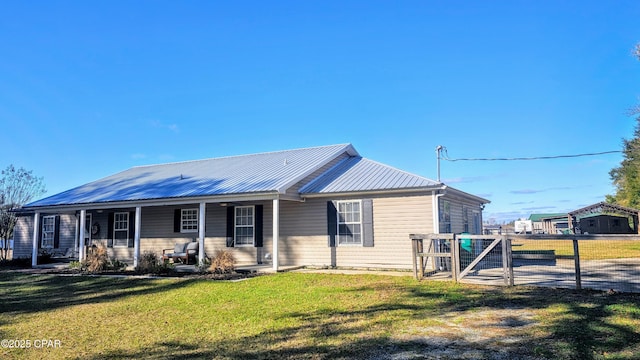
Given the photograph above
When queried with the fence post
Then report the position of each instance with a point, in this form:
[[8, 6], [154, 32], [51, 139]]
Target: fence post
[[505, 260], [510, 260], [576, 257], [455, 257], [414, 245], [420, 248]]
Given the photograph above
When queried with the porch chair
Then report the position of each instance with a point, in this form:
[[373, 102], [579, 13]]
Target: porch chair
[[181, 252]]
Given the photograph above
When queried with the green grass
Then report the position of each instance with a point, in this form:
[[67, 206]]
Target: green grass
[[313, 316], [589, 249]]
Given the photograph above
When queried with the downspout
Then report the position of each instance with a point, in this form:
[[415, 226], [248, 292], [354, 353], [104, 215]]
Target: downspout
[[435, 203]]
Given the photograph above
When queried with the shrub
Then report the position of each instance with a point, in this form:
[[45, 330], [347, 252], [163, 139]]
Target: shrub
[[44, 256], [150, 263], [204, 266], [97, 259], [116, 265], [223, 262], [21, 262]]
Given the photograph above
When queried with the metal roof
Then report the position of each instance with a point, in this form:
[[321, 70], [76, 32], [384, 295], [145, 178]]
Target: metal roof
[[603, 207], [255, 173], [360, 174], [263, 174], [541, 217]]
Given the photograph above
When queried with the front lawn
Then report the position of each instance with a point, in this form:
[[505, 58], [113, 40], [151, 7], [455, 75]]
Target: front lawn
[[314, 316]]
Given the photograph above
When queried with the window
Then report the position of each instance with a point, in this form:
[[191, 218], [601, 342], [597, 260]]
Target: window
[[465, 219], [244, 226], [349, 223], [477, 226], [87, 229], [48, 231], [445, 217], [189, 220], [121, 229]]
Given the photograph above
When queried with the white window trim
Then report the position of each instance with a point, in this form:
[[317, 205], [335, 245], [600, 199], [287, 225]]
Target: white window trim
[[115, 215], [182, 221], [359, 222], [236, 226], [52, 237]]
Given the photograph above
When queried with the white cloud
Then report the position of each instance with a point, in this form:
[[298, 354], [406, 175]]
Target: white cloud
[[160, 125]]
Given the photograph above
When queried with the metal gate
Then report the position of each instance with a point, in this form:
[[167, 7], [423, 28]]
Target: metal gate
[[599, 262]]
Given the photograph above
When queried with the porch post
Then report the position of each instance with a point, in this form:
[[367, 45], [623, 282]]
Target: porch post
[[201, 231], [136, 237], [276, 231], [83, 222], [34, 249], [77, 238]]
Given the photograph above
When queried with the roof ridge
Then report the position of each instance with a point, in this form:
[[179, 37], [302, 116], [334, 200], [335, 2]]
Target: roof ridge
[[340, 164], [403, 171], [238, 156]]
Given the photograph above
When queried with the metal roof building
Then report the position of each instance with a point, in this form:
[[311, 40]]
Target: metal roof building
[[323, 198]]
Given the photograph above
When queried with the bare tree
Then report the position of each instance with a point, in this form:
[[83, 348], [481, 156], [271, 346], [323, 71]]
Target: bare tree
[[17, 187]]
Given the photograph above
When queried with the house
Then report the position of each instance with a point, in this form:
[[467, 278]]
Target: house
[[319, 206], [554, 223]]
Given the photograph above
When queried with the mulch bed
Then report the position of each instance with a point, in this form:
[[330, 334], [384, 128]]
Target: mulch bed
[[233, 276]]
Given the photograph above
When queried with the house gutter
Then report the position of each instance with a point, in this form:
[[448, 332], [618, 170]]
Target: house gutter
[[420, 190], [435, 203], [70, 208]]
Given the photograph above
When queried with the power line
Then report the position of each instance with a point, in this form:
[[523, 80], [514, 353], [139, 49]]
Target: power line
[[446, 157]]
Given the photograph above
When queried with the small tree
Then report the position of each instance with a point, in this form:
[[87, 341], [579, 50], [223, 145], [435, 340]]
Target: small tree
[[17, 187]]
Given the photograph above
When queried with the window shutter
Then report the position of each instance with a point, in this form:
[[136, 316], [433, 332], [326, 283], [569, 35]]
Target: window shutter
[[332, 223], [177, 218], [258, 225], [56, 236], [367, 223], [231, 224], [132, 228], [109, 231], [40, 232]]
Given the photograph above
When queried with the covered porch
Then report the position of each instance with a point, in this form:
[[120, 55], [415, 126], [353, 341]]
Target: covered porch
[[247, 225]]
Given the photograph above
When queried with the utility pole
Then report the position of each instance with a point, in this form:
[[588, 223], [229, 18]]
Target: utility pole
[[438, 151]]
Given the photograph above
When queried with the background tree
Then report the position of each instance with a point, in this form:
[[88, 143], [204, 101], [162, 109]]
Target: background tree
[[17, 187], [626, 177]]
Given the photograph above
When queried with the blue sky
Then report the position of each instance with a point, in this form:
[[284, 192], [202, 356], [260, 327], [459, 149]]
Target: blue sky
[[90, 88]]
